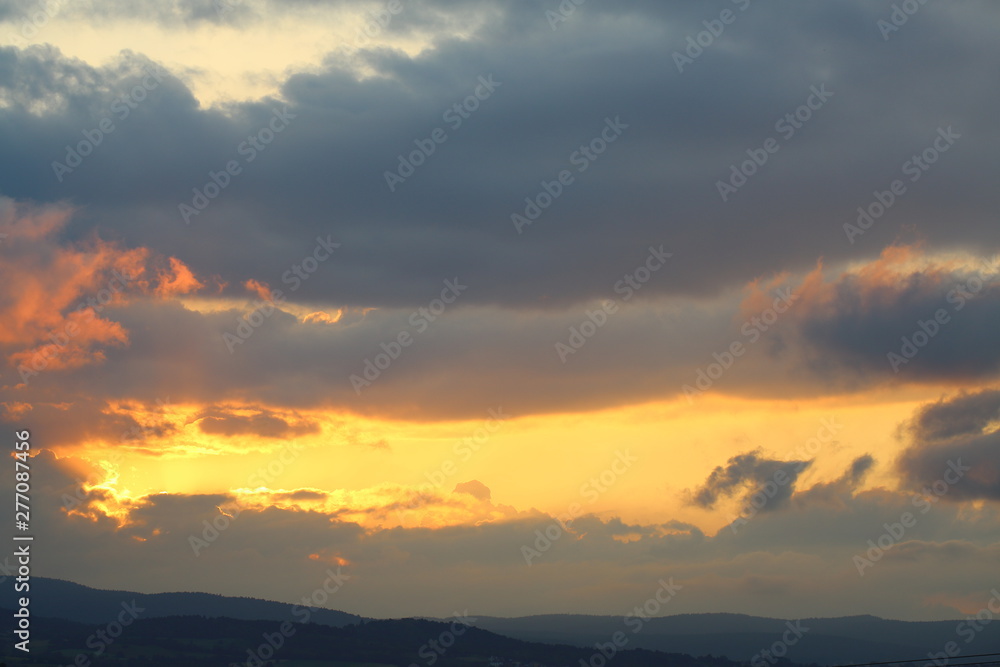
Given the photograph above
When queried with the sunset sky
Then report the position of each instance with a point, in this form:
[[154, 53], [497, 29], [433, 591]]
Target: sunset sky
[[515, 307]]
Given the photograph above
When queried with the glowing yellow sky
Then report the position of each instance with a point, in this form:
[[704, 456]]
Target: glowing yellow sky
[[227, 63], [538, 462]]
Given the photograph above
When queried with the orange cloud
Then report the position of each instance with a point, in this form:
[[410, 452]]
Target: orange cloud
[[258, 288], [322, 317], [178, 280], [56, 294], [15, 410], [878, 284], [759, 295], [73, 345], [18, 221]]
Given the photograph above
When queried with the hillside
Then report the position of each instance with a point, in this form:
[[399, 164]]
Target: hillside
[[196, 641], [828, 641], [57, 598]]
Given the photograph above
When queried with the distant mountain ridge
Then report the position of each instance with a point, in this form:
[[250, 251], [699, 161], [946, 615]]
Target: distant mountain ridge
[[56, 598], [196, 641], [736, 637], [828, 641]]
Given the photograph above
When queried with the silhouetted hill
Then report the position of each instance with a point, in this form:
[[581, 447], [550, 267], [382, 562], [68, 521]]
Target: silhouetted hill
[[57, 598], [828, 641], [196, 641], [735, 636]]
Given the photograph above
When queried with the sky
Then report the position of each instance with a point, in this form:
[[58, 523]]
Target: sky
[[515, 307]]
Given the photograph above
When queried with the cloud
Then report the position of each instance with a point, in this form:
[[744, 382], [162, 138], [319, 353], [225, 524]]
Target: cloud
[[260, 422], [44, 290], [176, 280], [107, 539], [908, 316], [859, 468], [968, 413], [836, 334], [474, 488], [349, 129], [954, 453], [839, 492], [746, 474], [355, 114], [79, 419], [57, 296]]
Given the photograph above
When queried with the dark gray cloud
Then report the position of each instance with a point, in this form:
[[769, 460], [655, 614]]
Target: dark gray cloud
[[84, 419], [323, 178], [837, 333], [324, 174], [859, 468], [968, 413], [747, 474], [264, 423], [840, 491], [464, 363], [892, 321], [955, 450]]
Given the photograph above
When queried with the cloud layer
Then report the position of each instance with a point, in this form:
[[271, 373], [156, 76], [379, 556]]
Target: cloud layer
[[475, 208]]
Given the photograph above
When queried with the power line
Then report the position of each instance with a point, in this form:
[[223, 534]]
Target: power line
[[925, 659]]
